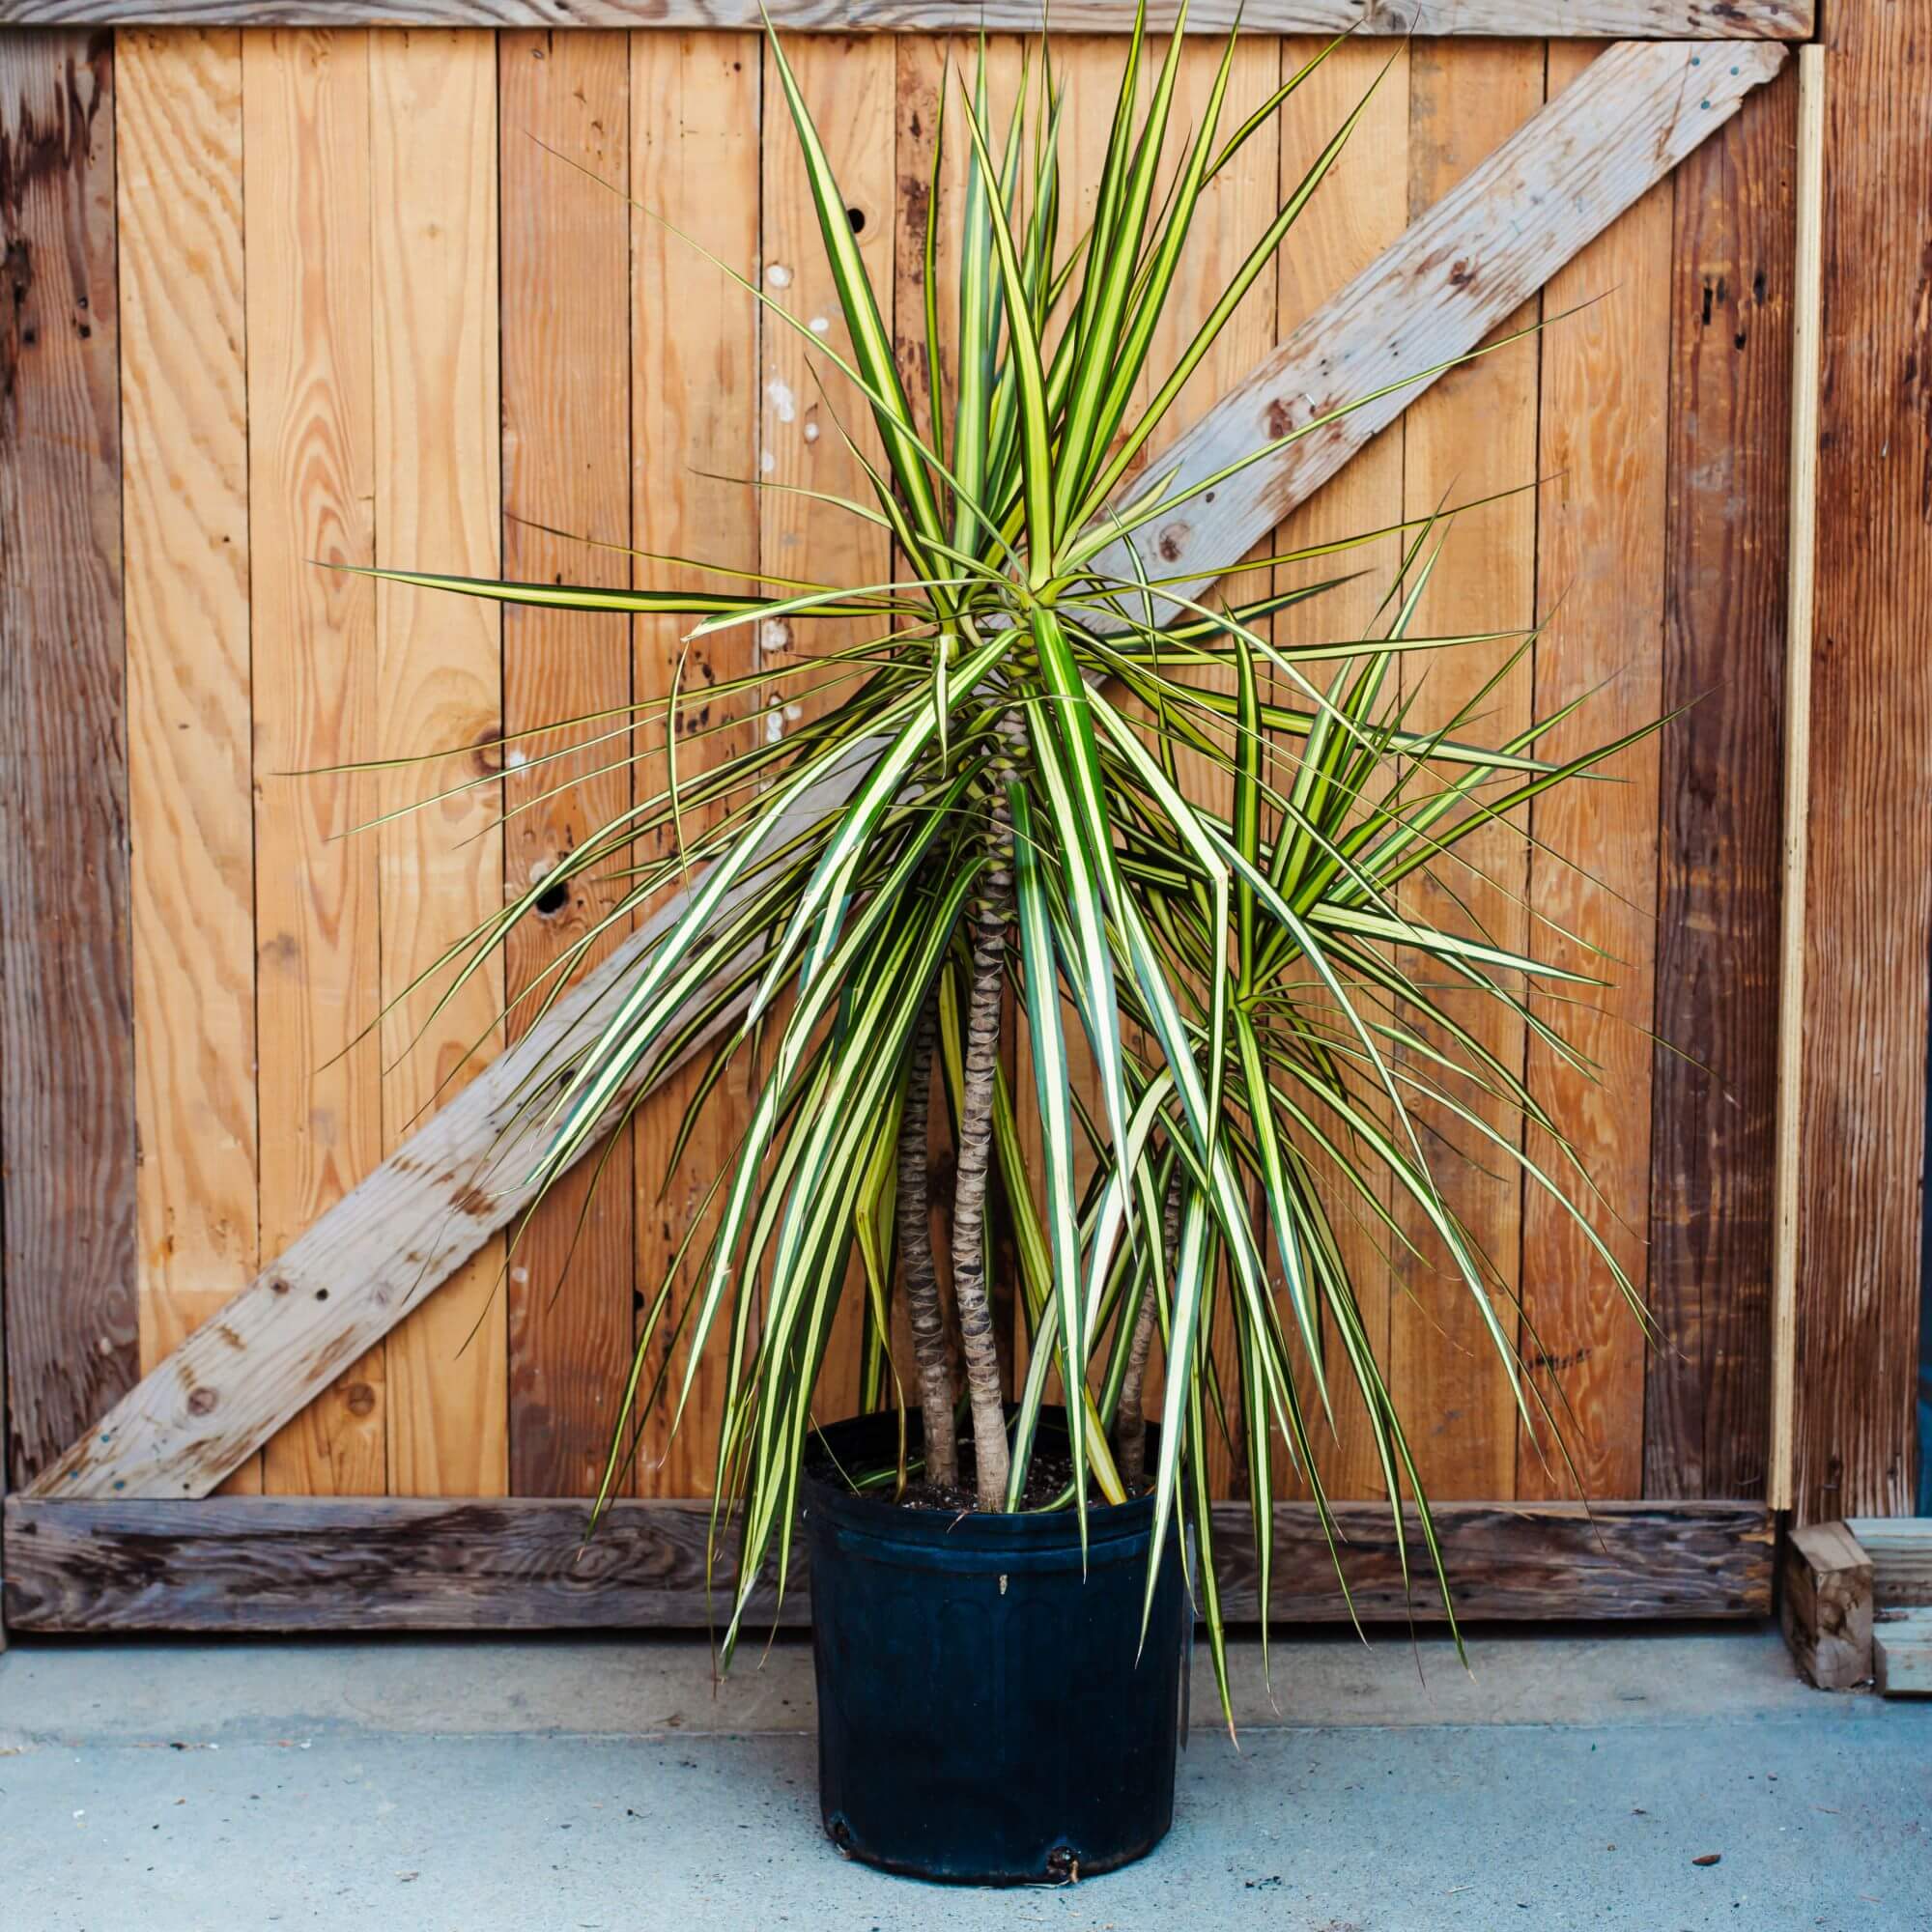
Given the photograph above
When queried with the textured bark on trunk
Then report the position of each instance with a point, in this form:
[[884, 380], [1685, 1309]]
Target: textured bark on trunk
[[1130, 1416], [978, 1341], [921, 1278]]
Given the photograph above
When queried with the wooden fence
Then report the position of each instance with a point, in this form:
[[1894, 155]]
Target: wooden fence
[[285, 297]]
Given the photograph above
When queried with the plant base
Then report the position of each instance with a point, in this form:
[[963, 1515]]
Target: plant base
[[987, 1715]]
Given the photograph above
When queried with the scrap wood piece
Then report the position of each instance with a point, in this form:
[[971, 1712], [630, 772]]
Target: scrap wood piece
[[1825, 1605], [1467, 264], [1900, 1549], [1902, 1655]]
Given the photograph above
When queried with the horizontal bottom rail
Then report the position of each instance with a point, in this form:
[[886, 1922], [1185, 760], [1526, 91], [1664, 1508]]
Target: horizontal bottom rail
[[251, 1565]]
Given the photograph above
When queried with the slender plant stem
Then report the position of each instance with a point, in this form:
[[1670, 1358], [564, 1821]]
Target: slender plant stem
[[916, 1265], [1130, 1414], [991, 913]]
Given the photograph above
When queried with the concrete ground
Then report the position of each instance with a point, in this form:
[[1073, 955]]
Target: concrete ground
[[1574, 1780]]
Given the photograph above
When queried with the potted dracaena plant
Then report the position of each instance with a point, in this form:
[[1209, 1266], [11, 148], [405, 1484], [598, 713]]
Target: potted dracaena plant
[[989, 803]]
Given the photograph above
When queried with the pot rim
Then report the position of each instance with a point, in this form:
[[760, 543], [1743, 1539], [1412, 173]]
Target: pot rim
[[1039, 1531]]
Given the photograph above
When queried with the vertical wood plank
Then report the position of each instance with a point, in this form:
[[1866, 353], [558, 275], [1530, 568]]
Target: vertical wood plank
[[1236, 207], [1089, 68], [311, 489], [566, 307], [1713, 1078], [1869, 872], [439, 665], [1358, 212], [1593, 864], [695, 161], [67, 1104], [848, 82], [927, 64], [184, 399], [1472, 434]]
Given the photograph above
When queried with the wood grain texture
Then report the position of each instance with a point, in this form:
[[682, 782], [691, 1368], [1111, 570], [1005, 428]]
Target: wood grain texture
[[566, 323], [1807, 307], [183, 412], [1604, 446], [1706, 1386], [335, 1291], [1900, 1549], [927, 62], [311, 486], [1869, 912], [1236, 207], [425, 1211], [1615, 19], [849, 83], [1902, 1656], [1459, 271], [438, 670], [1472, 435], [66, 1103], [1825, 1604], [254, 1564], [696, 442], [1359, 211]]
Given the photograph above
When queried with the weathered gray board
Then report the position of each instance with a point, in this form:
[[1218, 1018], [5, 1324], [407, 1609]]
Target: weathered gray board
[[1576, 19], [242, 1564]]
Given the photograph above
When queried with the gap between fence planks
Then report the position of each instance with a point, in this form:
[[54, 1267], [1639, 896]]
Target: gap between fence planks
[[1455, 273], [246, 1565], [1591, 19]]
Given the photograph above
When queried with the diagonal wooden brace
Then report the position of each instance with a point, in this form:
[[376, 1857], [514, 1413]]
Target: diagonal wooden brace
[[1624, 123]]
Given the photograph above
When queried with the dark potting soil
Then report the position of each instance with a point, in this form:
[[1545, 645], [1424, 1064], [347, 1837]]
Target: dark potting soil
[[1047, 1480]]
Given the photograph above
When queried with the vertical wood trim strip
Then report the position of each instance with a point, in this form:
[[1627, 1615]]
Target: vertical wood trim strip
[[66, 1101], [1806, 302], [1712, 1076], [311, 492], [1868, 927], [185, 424], [438, 670], [1603, 449], [566, 323]]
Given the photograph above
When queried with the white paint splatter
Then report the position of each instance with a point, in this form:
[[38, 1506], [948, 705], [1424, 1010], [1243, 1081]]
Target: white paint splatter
[[784, 405], [818, 324], [516, 756], [778, 275], [767, 463], [811, 432], [774, 728], [775, 635], [794, 712], [520, 1274]]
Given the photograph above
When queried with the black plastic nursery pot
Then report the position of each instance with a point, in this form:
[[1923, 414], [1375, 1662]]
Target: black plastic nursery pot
[[987, 1715]]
